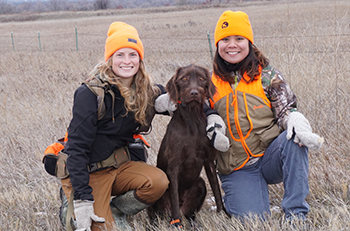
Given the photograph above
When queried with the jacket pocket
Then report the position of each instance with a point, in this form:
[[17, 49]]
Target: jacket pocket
[[267, 135]]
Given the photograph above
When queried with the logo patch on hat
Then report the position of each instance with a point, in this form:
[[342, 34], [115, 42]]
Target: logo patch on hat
[[224, 25], [132, 40]]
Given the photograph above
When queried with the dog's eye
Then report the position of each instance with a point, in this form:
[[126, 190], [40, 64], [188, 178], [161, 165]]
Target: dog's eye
[[201, 78], [185, 78]]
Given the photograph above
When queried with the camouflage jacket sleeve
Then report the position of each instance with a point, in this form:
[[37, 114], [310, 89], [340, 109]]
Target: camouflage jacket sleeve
[[283, 101]]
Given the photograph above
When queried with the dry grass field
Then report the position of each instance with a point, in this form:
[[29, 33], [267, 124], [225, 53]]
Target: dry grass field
[[307, 40]]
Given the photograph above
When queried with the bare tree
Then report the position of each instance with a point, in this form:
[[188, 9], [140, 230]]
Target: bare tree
[[101, 4], [39, 6], [55, 5], [181, 2], [5, 8]]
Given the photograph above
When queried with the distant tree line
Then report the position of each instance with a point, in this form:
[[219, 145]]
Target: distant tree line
[[7, 7]]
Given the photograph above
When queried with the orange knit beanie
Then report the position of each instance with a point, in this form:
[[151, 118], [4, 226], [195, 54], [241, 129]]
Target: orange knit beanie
[[121, 35], [233, 23]]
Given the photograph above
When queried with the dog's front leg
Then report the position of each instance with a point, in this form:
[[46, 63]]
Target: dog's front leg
[[174, 196]]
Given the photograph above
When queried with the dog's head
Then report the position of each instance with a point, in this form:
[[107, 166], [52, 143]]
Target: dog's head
[[191, 83]]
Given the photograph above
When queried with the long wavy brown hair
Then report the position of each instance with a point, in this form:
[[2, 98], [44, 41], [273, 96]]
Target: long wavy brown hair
[[249, 65], [138, 96]]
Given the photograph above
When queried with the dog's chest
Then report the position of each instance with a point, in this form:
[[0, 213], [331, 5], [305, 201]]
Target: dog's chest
[[193, 154]]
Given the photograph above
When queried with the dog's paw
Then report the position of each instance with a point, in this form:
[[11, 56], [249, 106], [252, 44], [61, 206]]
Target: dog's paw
[[176, 224]]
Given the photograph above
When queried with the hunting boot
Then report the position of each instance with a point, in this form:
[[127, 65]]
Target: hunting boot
[[64, 210], [123, 205], [295, 222]]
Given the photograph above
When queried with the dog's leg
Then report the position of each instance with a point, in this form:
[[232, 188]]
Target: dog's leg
[[214, 184], [172, 173], [193, 199]]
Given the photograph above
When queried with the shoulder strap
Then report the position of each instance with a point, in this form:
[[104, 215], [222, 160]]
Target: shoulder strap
[[100, 88]]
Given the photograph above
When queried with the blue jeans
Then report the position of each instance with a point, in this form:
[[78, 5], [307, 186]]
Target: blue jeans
[[246, 190]]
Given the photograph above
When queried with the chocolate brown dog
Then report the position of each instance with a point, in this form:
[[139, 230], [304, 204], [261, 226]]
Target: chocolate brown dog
[[185, 148]]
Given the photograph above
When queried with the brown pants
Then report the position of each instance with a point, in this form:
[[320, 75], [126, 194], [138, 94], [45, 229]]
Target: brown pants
[[148, 181]]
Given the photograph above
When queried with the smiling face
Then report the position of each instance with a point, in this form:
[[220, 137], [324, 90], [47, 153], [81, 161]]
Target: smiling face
[[233, 49], [126, 63]]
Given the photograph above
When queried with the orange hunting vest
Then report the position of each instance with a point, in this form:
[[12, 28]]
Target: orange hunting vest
[[249, 121]]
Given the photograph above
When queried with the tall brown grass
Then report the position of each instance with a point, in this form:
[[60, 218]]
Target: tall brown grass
[[307, 40]]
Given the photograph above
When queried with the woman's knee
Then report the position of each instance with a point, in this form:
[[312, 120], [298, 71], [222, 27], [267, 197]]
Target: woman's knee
[[154, 184], [161, 179], [246, 192], [158, 184]]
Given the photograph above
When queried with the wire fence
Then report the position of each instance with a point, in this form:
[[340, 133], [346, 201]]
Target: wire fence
[[38, 41]]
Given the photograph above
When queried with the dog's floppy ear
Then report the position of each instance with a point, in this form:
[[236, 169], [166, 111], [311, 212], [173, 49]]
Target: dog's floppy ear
[[171, 87], [211, 87]]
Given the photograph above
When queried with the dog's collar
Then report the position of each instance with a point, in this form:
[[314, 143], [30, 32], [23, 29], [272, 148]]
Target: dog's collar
[[180, 103]]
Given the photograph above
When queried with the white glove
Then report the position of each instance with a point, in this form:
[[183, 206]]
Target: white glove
[[216, 130], [84, 215], [299, 125], [163, 103]]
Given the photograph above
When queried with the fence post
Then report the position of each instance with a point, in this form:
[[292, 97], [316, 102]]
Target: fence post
[[211, 50], [13, 42], [76, 37], [39, 40]]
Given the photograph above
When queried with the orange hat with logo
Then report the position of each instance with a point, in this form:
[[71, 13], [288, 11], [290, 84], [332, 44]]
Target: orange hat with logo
[[121, 35], [233, 23]]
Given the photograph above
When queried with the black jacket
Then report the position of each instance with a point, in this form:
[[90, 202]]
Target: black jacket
[[91, 140]]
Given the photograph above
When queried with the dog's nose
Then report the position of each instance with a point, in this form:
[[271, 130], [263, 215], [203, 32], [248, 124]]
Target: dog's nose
[[194, 92]]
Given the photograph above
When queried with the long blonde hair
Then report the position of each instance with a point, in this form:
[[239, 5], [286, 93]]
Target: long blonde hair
[[138, 96]]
